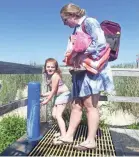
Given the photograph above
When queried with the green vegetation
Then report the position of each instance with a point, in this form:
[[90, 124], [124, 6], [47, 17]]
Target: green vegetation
[[12, 83], [126, 86], [133, 126], [11, 128]]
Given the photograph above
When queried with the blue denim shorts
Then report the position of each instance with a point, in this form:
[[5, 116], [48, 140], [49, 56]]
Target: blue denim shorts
[[63, 98]]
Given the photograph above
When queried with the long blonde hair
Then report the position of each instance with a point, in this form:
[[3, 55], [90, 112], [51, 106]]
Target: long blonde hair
[[58, 71], [72, 10]]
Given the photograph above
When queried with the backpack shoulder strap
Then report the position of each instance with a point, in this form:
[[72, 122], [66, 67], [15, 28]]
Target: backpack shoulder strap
[[83, 26]]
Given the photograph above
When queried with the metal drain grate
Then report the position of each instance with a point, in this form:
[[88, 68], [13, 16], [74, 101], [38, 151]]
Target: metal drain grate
[[103, 140]]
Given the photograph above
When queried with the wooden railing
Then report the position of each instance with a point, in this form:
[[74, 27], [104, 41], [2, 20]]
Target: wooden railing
[[14, 68]]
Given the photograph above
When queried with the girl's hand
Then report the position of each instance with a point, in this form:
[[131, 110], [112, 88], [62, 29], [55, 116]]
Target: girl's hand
[[42, 95], [44, 102], [67, 54], [45, 95], [76, 62]]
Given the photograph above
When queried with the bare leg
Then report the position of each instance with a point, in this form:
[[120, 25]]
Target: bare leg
[[54, 112], [92, 113], [90, 103], [60, 120], [75, 119]]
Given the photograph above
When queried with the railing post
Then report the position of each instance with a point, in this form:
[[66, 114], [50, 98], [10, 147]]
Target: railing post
[[44, 89], [33, 111], [45, 109], [137, 60]]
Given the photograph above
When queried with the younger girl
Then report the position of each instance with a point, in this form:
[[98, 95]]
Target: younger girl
[[59, 92]]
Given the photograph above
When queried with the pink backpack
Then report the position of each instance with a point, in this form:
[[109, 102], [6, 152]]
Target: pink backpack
[[80, 42], [112, 32]]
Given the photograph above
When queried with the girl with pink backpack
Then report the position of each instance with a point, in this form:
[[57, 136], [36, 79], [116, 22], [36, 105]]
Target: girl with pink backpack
[[86, 86]]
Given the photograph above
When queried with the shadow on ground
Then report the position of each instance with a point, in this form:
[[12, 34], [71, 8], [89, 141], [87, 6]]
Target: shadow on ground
[[125, 144]]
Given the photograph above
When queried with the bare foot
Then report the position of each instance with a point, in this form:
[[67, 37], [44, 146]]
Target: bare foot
[[85, 145]]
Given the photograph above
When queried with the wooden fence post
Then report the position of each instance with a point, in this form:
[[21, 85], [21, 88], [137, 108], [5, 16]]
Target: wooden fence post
[[45, 110], [44, 89]]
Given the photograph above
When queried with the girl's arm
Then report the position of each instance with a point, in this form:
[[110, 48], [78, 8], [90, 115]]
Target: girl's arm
[[93, 28], [55, 81], [45, 95]]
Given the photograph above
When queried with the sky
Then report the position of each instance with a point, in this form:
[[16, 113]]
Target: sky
[[32, 30]]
